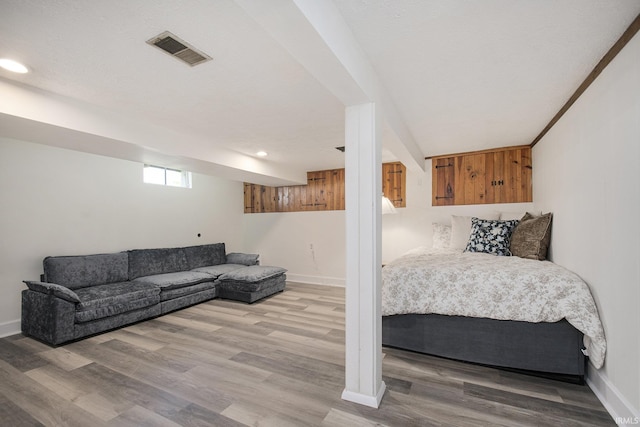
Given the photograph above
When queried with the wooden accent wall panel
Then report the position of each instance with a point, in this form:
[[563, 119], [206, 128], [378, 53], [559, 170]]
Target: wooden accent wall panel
[[394, 183], [489, 176], [325, 190]]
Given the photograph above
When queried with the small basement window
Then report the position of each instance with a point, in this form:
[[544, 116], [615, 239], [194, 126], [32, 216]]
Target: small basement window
[[165, 176]]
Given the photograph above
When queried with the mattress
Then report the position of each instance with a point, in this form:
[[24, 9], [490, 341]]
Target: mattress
[[455, 283]]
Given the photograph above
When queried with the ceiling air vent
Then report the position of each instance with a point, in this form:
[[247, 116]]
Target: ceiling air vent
[[179, 49]]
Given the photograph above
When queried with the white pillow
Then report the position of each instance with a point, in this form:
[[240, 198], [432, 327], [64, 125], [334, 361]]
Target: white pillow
[[441, 235], [461, 228]]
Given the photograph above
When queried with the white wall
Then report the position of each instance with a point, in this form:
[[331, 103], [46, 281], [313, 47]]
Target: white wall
[[586, 170], [60, 202], [310, 245]]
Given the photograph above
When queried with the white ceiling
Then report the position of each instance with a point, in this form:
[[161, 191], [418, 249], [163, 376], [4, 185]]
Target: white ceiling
[[469, 74], [463, 74]]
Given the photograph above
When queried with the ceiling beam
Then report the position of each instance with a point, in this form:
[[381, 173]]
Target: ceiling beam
[[35, 115], [606, 59], [316, 35]]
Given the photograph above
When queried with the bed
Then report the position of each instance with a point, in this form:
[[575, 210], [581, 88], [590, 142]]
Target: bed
[[502, 311]]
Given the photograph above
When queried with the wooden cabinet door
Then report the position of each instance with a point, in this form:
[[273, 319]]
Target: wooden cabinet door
[[510, 178], [248, 197], [260, 198], [470, 179], [443, 181], [317, 183], [521, 189], [335, 190], [491, 176], [394, 178]]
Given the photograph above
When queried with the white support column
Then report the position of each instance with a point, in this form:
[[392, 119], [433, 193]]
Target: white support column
[[363, 352]]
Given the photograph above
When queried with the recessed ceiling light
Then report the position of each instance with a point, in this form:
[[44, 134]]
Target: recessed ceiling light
[[261, 154], [14, 66]]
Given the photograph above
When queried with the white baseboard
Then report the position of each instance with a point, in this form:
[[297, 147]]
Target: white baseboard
[[613, 401], [316, 280], [9, 328], [365, 399]]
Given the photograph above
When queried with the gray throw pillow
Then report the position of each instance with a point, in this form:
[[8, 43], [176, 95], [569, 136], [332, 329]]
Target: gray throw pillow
[[242, 259], [532, 236]]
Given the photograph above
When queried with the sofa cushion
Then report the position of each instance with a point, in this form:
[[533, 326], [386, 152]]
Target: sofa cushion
[[83, 329], [178, 279], [205, 255], [187, 300], [107, 300], [254, 273], [271, 282], [86, 270], [147, 262], [175, 280], [171, 293], [116, 309], [217, 270]]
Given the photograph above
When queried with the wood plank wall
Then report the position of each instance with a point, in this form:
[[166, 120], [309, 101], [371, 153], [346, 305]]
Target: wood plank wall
[[483, 177], [325, 191]]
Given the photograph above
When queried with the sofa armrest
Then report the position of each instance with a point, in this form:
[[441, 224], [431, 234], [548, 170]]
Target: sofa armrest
[[242, 259], [47, 317], [53, 289]]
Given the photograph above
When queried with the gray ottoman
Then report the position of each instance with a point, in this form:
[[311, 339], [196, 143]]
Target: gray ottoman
[[250, 284]]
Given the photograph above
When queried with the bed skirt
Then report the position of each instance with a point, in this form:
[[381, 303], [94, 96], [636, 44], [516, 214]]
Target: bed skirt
[[548, 349]]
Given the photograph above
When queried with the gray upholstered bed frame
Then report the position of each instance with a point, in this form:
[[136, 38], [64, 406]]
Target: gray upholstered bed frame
[[548, 349]]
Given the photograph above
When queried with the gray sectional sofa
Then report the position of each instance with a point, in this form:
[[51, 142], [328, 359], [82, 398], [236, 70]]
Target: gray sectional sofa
[[79, 296]]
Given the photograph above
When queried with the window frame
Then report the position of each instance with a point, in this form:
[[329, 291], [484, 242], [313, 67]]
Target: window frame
[[185, 177]]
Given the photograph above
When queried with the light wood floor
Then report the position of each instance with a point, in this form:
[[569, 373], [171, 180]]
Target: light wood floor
[[278, 362]]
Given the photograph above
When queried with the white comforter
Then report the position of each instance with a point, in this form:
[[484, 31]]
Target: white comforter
[[450, 282]]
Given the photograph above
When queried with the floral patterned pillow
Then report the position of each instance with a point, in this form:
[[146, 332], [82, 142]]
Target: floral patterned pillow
[[491, 236], [441, 235]]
